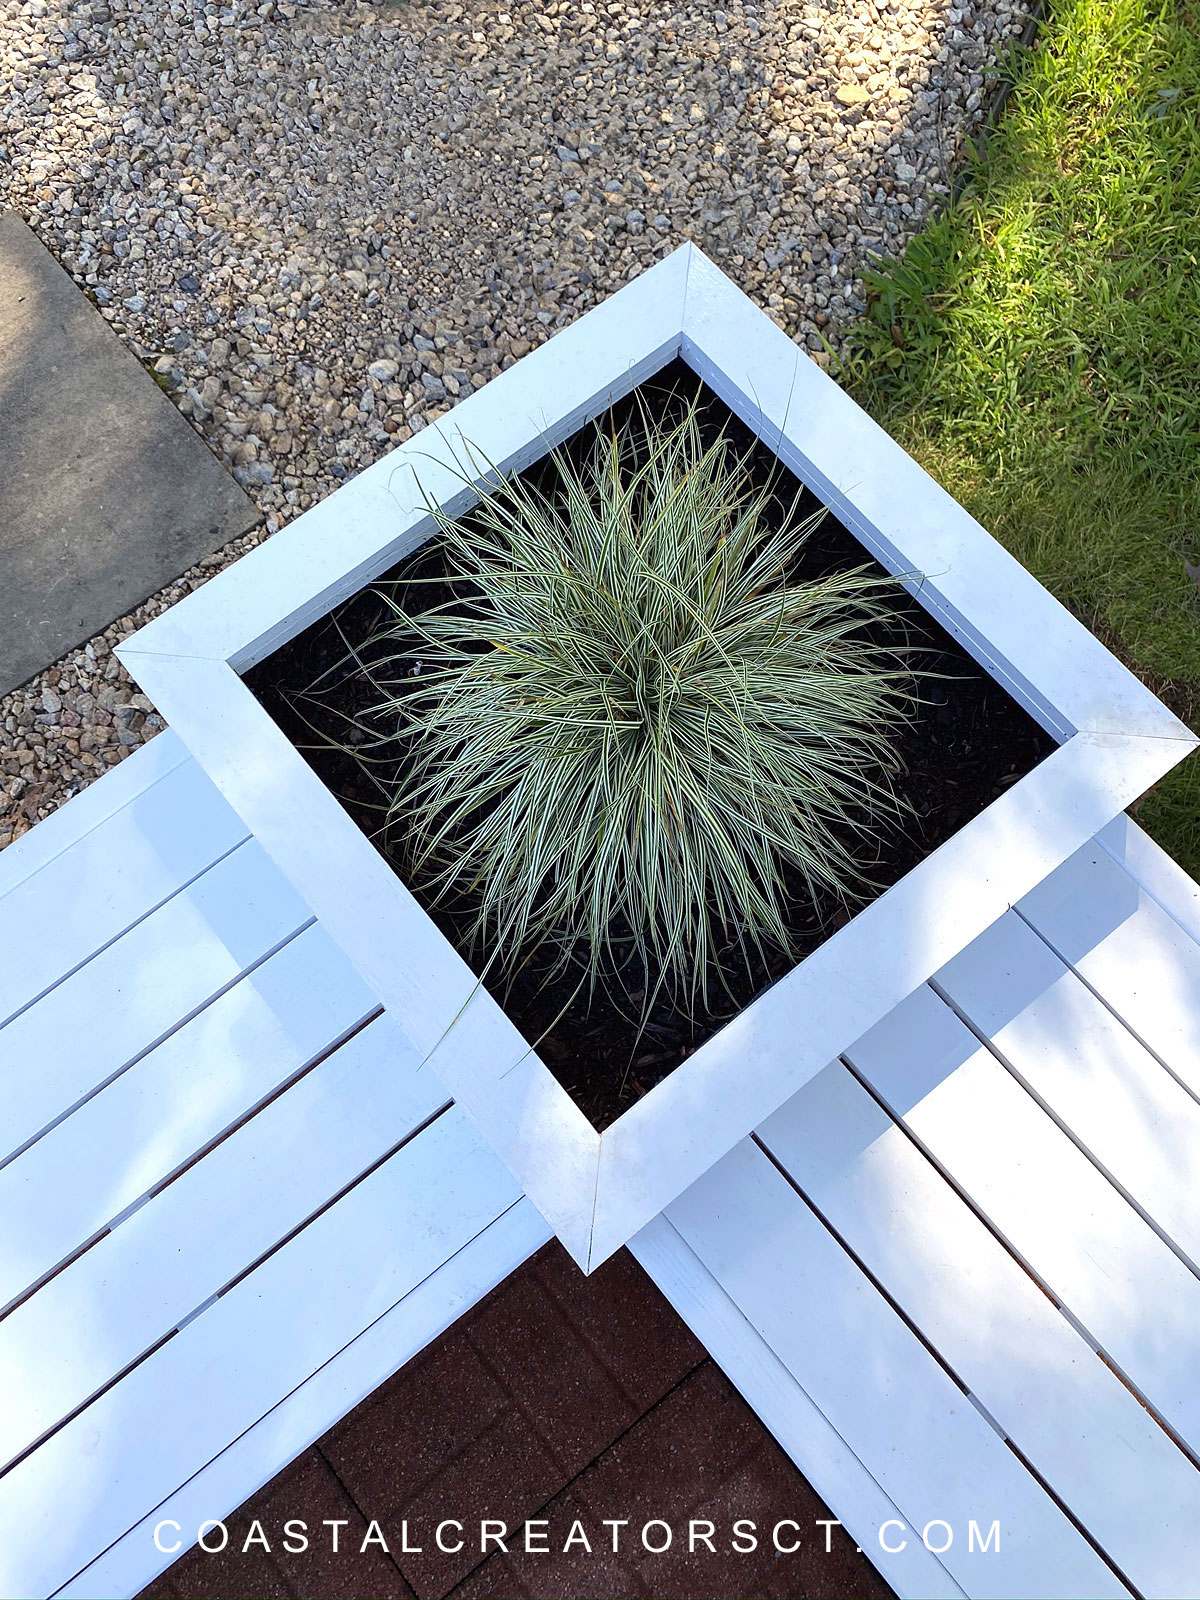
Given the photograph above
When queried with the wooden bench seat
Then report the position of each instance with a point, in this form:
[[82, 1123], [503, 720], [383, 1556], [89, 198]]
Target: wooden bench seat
[[957, 1273], [231, 1200]]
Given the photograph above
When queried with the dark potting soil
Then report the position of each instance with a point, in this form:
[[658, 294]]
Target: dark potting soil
[[968, 742]]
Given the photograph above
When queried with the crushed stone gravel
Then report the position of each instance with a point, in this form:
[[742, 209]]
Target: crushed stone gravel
[[321, 225]]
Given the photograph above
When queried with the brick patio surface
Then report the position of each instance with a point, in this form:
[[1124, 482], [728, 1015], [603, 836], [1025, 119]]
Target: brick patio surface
[[562, 1399]]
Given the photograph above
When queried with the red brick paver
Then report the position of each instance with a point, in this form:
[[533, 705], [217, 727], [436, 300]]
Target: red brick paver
[[559, 1403]]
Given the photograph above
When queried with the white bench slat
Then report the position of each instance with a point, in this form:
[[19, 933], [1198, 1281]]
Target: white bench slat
[[1117, 1100], [821, 1454], [127, 999], [94, 1165], [930, 1450], [115, 1461], [161, 1264], [1129, 1291], [1100, 1451], [91, 892], [90, 808], [322, 1400], [1155, 870], [1139, 960]]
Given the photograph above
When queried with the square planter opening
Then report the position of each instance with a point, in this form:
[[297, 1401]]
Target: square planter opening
[[1033, 738], [967, 743]]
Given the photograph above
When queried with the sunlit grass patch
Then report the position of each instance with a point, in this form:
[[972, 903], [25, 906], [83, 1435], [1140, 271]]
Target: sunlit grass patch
[[1038, 348]]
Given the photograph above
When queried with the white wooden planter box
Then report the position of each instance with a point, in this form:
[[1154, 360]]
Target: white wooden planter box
[[597, 1190]]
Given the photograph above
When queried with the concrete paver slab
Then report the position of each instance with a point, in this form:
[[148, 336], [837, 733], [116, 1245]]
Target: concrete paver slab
[[107, 492], [480, 1426]]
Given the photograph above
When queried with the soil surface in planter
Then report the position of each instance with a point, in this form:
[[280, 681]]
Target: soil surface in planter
[[968, 743]]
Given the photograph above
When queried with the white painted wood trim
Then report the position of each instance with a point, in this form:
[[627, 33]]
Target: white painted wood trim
[[429, 991], [1160, 876], [93, 806], [855, 979], [252, 1460], [75, 904], [895, 1404], [137, 991], [1046, 659], [331, 551], [1117, 1473], [245, 1352], [813, 1443], [597, 1191], [190, 1240]]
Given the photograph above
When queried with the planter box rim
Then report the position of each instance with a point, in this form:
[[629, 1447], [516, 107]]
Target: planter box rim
[[599, 1189]]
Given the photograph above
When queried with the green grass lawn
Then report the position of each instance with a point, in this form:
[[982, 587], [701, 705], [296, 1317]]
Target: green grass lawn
[[1038, 349]]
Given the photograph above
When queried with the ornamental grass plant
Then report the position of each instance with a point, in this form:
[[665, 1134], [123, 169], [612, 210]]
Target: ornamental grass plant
[[631, 734]]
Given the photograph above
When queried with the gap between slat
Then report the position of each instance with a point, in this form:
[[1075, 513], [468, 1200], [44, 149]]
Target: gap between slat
[[162, 1038], [995, 1051], [108, 943], [915, 1329], [225, 1288], [1064, 1311], [157, 1188], [285, 1398], [181, 759], [1106, 1003]]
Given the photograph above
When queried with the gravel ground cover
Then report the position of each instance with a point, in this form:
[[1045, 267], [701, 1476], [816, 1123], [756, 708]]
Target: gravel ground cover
[[320, 226]]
